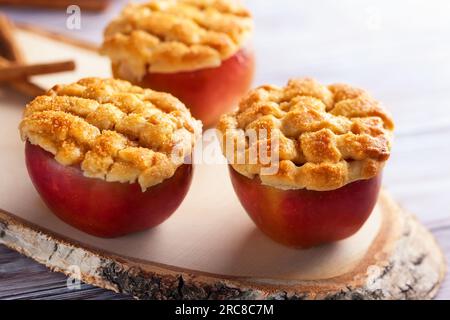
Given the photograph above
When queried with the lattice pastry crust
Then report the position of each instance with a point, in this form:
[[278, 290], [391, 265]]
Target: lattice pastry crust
[[328, 136], [112, 130], [168, 36]]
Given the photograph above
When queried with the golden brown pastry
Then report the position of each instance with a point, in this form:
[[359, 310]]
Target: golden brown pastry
[[169, 36], [113, 130], [198, 50], [328, 136]]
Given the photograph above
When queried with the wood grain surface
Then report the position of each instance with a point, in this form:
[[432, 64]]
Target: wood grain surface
[[397, 50], [22, 278]]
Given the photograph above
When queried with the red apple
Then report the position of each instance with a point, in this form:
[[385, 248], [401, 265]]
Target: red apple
[[210, 92], [101, 208], [304, 218]]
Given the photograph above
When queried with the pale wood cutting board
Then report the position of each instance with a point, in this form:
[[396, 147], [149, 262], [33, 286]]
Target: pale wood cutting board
[[209, 248]]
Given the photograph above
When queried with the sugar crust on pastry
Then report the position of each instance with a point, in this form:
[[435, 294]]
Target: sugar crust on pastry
[[168, 36], [113, 130], [328, 136]]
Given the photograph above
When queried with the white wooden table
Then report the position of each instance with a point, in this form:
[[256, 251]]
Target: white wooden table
[[398, 50]]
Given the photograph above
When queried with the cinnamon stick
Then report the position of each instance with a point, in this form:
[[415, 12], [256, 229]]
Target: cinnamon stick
[[88, 5], [15, 71], [26, 87], [11, 51], [8, 45], [23, 86]]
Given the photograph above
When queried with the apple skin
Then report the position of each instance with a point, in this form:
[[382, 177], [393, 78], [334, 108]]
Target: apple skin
[[209, 92], [101, 208], [304, 218]]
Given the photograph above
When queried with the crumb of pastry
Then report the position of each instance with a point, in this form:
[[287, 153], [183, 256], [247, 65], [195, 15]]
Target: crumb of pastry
[[113, 130], [327, 136], [167, 36]]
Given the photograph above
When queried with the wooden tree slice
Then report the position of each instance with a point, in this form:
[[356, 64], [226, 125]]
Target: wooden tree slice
[[209, 249], [403, 262]]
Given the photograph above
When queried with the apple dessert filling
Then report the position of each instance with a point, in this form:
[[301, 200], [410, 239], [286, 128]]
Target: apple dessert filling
[[112, 130], [330, 145], [173, 36], [327, 136]]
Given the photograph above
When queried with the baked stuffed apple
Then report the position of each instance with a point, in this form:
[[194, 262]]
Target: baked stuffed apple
[[107, 157], [197, 50], [306, 160]]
